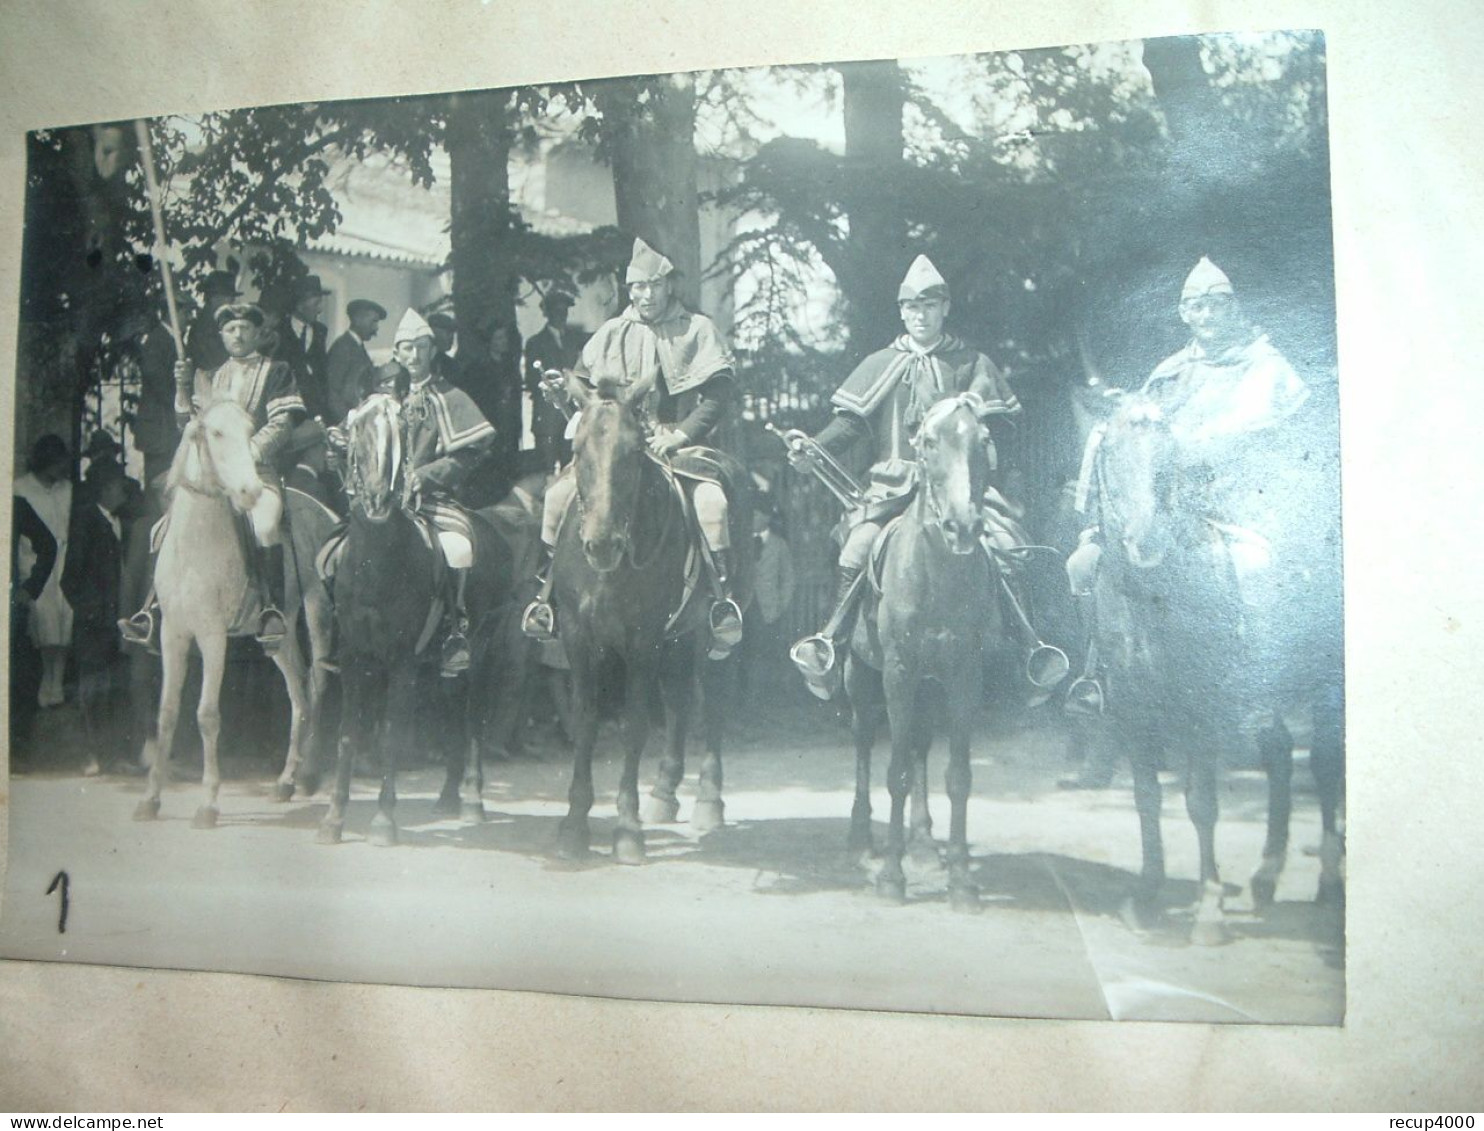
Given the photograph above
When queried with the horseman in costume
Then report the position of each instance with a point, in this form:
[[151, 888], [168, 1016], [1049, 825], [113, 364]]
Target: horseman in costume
[[445, 437], [1226, 397], [268, 391], [681, 362], [883, 402]]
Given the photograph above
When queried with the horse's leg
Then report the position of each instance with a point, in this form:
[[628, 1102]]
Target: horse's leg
[[1275, 745], [963, 893], [357, 730], [452, 732], [1144, 757], [1327, 761], [401, 713], [718, 701], [678, 689], [574, 837], [863, 688], [175, 648], [1203, 806], [471, 709], [290, 662], [209, 722], [901, 703], [319, 620], [628, 837], [920, 845]]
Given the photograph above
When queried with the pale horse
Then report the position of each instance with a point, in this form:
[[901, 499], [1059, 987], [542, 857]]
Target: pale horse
[[202, 582]]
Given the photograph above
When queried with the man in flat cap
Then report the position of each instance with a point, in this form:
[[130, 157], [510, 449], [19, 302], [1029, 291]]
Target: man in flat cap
[[681, 361], [1226, 397], [268, 391], [884, 400], [348, 366]]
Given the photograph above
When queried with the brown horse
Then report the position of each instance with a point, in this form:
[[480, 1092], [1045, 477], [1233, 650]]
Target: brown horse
[[621, 579], [388, 605], [1177, 646], [937, 604]]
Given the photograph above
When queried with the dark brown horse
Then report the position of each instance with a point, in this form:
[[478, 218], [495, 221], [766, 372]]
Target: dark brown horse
[[388, 604], [936, 607], [1178, 650], [621, 579]]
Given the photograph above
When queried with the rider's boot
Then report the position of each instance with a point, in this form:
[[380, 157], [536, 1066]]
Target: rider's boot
[[456, 644], [267, 568], [815, 656], [539, 619], [726, 615]]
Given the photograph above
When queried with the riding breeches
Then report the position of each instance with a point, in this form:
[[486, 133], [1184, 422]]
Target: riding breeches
[[709, 500], [267, 513]]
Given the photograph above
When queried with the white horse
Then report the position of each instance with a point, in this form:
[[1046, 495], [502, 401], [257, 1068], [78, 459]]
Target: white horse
[[202, 582]]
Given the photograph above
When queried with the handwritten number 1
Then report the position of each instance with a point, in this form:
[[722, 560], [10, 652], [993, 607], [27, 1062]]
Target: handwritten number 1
[[61, 881]]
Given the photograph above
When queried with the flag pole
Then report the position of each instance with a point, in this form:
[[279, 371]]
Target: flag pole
[[152, 186]]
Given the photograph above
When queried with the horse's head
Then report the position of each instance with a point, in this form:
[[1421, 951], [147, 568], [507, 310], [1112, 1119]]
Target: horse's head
[[953, 448], [215, 455], [375, 474], [1140, 482], [609, 455]]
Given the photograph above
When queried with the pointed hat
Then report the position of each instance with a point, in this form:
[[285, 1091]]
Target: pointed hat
[[1206, 279], [922, 281], [646, 264], [412, 327]]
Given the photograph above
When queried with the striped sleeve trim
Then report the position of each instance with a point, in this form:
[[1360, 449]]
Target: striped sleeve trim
[[278, 406]]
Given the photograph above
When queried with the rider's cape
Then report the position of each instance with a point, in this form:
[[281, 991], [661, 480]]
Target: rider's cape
[[892, 390]]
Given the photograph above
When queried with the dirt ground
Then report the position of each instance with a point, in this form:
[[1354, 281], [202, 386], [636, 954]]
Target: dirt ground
[[769, 909]]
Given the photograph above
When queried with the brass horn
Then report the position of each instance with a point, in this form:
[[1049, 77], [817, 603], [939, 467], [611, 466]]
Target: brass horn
[[826, 468]]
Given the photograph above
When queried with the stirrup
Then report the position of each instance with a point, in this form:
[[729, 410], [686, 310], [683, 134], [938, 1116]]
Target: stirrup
[[143, 629], [1046, 666], [455, 654], [815, 658], [271, 630], [726, 628], [539, 620], [1085, 697]]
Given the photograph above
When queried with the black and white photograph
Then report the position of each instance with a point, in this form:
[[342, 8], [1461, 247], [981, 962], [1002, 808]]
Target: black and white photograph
[[859, 534]]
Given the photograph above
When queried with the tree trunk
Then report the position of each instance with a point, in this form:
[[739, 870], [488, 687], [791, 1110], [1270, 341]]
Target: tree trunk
[[652, 149], [877, 252], [482, 238]]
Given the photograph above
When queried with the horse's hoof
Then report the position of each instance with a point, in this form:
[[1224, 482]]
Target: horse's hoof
[[1331, 892], [628, 847], [283, 791], [573, 843], [446, 806], [963, 898], [147, 810], [205, 817], [708, 816], [329, 832], [1140, 913], [923, 856], [1264, 892], [892, 889], [472, 812], [383, 832], [307, 785], [1208, 932], [660, 810]]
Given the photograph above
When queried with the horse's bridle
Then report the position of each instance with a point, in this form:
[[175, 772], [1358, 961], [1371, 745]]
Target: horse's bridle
[[212, 488], [932, 512], [624, 531], [354, 478]]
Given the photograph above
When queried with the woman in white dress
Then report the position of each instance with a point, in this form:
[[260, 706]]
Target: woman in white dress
[[48, 488]]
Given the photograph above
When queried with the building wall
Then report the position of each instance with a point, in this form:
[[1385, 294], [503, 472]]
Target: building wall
[[394, 286]]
